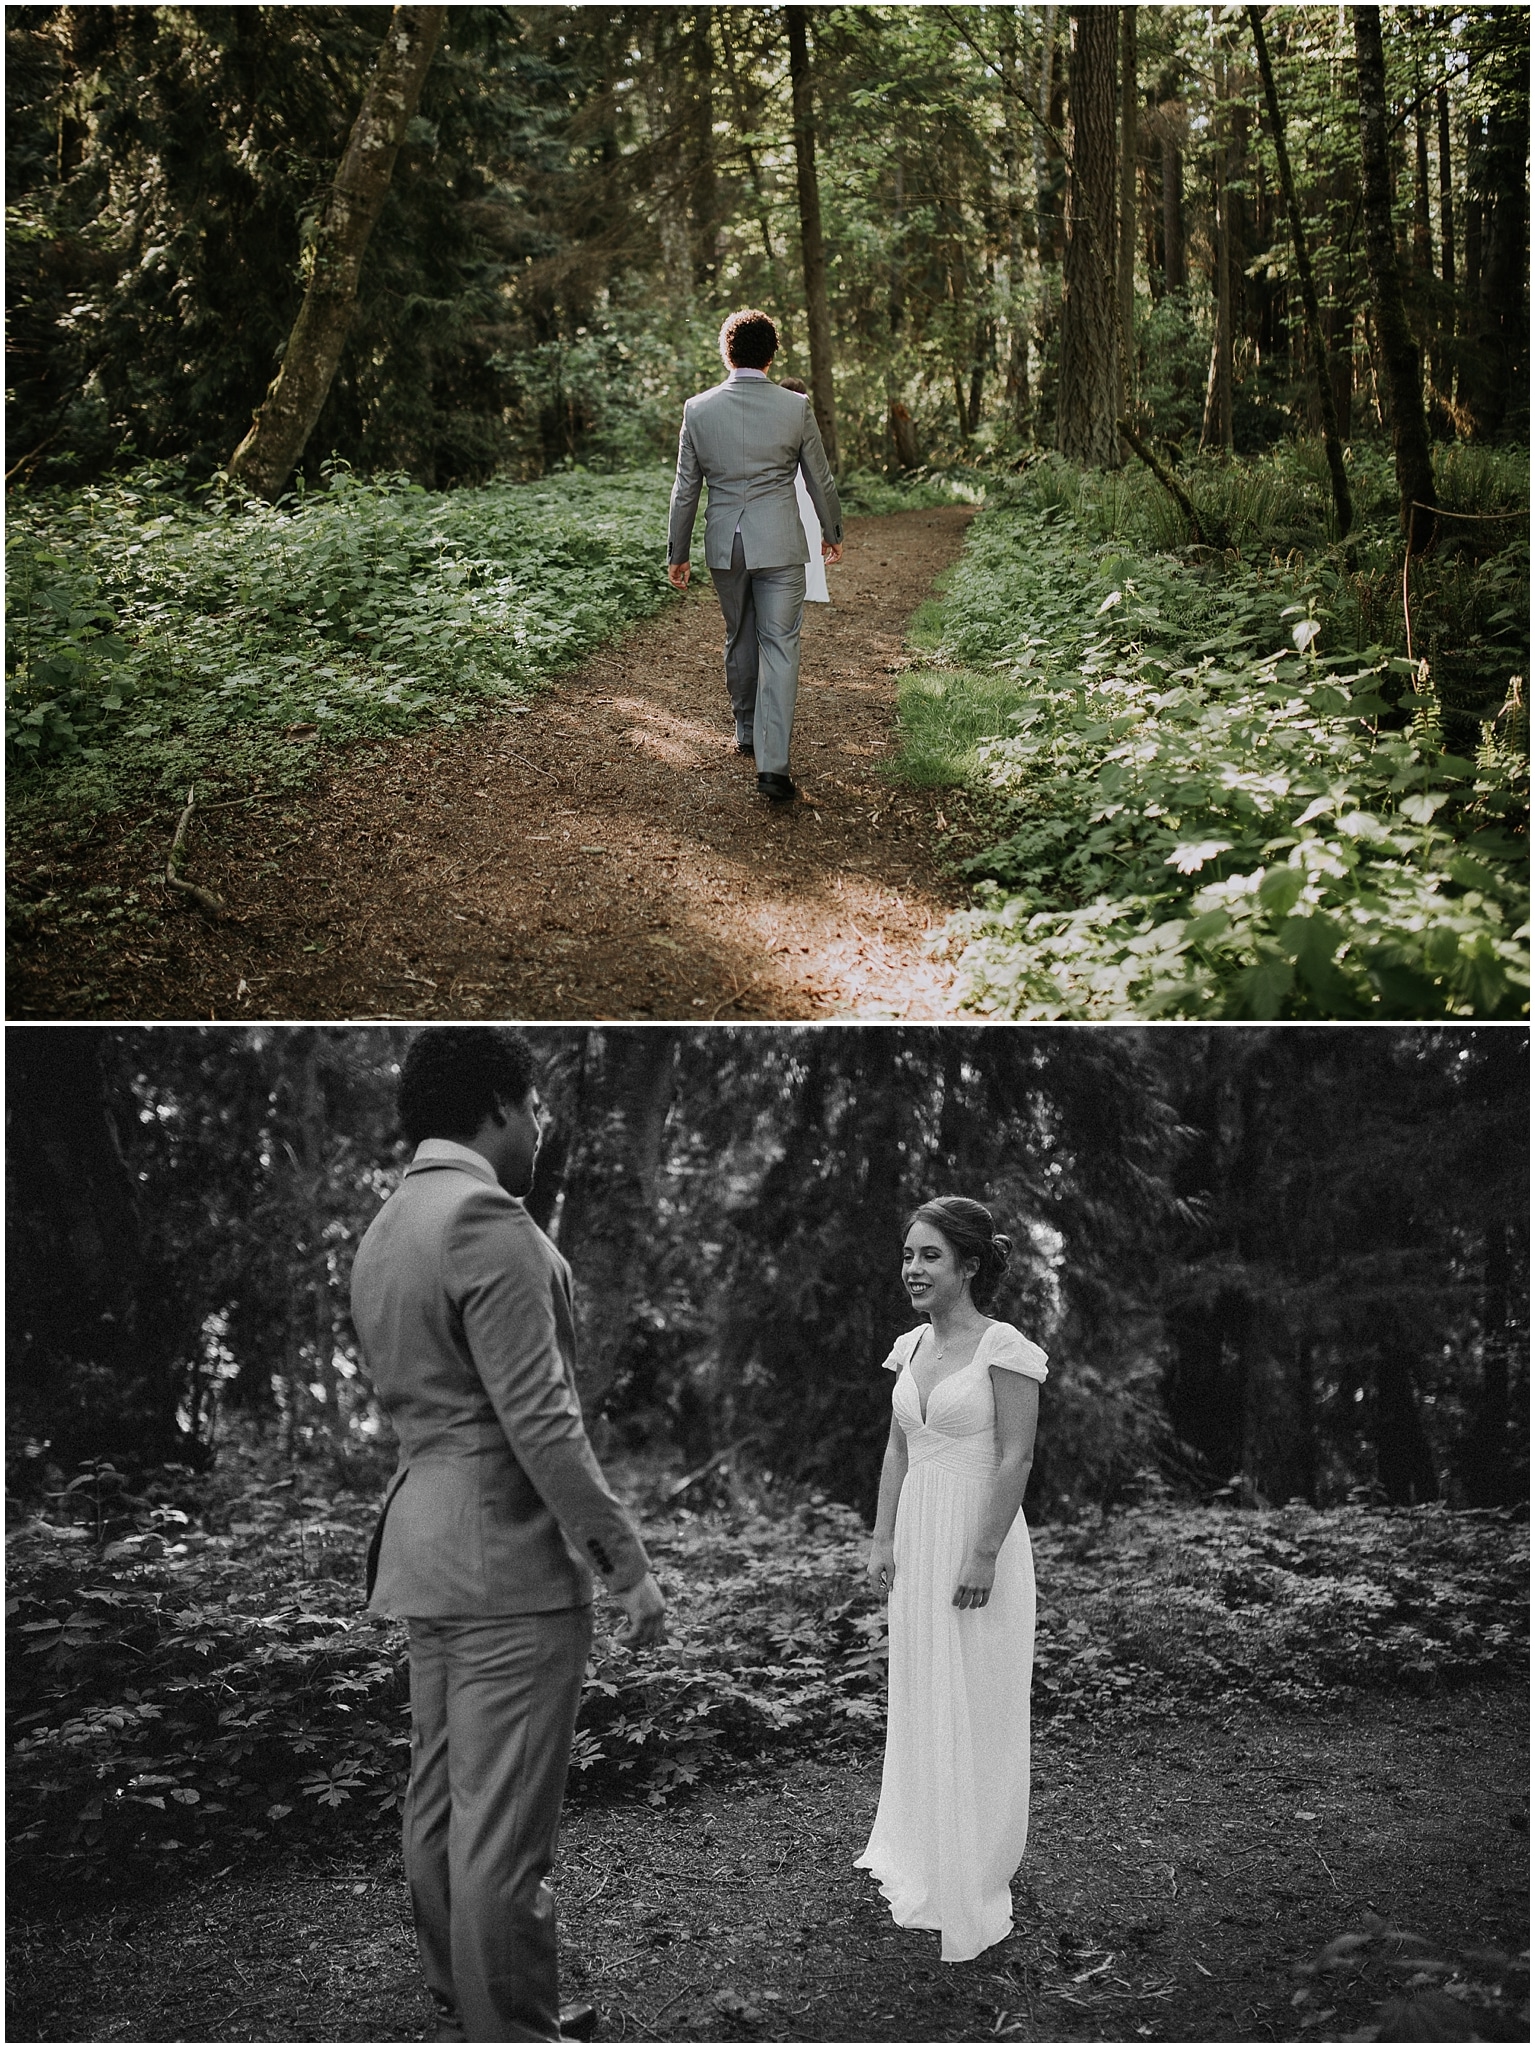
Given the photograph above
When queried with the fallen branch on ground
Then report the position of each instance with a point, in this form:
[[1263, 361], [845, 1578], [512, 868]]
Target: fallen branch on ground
[[1164, 477], [205, 899]]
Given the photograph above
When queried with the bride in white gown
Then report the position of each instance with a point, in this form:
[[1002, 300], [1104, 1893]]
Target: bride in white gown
[[951, 1549]]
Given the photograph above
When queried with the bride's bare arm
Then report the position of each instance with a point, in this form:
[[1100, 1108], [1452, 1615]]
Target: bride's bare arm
[[1017, 1398], [891, 1475]]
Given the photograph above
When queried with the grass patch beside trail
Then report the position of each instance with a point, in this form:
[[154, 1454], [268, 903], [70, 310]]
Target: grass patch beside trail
[[1213, 784], [154, 642]]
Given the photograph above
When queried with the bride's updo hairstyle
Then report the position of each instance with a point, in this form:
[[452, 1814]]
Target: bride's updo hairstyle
[[968, 1228]]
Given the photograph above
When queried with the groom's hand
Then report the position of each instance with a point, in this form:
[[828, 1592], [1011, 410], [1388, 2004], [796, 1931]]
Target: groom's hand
[[677, 574], [644, 1603], [831, 552]]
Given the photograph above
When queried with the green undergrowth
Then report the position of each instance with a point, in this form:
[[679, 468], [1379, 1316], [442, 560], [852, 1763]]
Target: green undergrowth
[[1213, 783], [866, 494], [155, 642], [190, 1672]]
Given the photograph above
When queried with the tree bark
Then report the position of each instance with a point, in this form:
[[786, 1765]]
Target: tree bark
[[280, 431], [93, 1334], [1174, 267], [1085, 410], [605, 1223], [1422, 224], [1403, 1456], [1049, 170], [1216, 427], [1446, 193], [1128, 146], [1486, 1461], [1014, 145], [811, 243], [706, 202], [1342, 497], [1400, 364], [1498, 356]]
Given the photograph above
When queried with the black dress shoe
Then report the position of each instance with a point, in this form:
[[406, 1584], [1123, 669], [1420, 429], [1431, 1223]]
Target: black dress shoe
[[578, 2022], [778, 787], [745, 747]]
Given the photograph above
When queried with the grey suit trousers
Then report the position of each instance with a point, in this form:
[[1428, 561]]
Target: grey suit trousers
[[764, 611], [493, 1711]]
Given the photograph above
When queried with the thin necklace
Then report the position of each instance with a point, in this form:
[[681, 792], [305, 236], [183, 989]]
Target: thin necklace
[[942, 1347]]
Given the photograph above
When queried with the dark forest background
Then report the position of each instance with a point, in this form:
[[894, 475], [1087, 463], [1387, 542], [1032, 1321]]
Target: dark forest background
[[583, 192], [1267, 1263]]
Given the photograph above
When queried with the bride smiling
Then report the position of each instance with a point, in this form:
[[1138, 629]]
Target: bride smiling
[[951, 1551]]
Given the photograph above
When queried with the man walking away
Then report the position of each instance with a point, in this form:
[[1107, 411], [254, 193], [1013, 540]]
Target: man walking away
[[492, 1525], [748, 439]]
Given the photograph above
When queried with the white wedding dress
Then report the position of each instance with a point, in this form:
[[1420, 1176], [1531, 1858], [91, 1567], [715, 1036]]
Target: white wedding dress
[[815, 569], [953, 1813]]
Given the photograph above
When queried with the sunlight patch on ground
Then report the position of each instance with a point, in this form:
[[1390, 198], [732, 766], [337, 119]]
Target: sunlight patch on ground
[[853, 946]]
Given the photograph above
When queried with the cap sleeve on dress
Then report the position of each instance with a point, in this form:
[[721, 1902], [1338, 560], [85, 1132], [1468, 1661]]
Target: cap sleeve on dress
[[902, 1348], [1016, 1353]]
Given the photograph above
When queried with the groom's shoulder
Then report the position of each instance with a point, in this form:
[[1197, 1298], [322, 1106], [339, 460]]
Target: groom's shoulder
[[756, 390]]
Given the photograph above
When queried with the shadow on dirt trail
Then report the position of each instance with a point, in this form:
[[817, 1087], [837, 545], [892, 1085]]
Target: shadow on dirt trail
[[602, 853]]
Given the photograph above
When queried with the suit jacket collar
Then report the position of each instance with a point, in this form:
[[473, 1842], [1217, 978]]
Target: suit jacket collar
[[439, 1152]]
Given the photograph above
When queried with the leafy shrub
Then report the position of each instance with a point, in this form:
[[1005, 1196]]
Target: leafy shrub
[[1167, 1605], [190, 1670], [152, 641], [1198, 815], [865, 493], [1471, 1994], [174, 1685]]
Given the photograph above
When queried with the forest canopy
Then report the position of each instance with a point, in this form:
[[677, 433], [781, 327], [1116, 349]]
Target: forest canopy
[[583, 192], [1267, 1264]]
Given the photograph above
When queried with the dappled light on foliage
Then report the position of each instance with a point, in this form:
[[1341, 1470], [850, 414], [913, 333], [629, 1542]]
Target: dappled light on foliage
[[1215, 786]]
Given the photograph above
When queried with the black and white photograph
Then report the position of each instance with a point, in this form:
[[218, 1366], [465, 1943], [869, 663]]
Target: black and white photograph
[[991, 1533]]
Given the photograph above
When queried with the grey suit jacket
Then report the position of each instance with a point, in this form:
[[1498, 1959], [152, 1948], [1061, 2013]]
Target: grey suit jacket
[[747, 441], [463, 1306]]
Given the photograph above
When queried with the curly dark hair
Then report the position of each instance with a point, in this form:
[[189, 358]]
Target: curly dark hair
[[452, 1078], [970, 1232], [748, 339]]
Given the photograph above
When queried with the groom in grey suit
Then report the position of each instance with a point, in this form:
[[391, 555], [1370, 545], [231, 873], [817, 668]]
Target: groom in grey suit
[[494, 1525], [747, 439]]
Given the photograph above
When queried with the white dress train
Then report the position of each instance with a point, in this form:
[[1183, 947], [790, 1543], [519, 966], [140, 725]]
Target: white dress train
[[815, 569], [953, 1815]]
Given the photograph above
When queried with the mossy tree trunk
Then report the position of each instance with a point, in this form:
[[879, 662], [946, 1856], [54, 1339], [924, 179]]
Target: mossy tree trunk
[[1400, 366], [1342, 497], [280, 431], [811, 241], [1089, 372]]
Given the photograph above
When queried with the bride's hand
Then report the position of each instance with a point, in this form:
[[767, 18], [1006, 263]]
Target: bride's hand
[[882, 1567], [974, 1588]]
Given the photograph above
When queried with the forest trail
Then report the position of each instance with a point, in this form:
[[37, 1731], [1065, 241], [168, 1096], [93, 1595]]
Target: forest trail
[[601, 853], [1178, 1874]]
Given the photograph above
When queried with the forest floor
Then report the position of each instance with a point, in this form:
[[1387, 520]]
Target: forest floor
[[1180, 1873], [600, 853]]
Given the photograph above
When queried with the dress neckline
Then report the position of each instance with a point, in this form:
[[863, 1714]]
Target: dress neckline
[[943, 1380]]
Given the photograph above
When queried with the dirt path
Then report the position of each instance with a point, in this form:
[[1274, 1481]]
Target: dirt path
[[602, 854], [1177, 1874]]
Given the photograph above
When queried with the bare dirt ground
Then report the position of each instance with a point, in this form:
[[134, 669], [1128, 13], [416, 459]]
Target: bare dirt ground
[[603, 853], [1178, 1873]]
